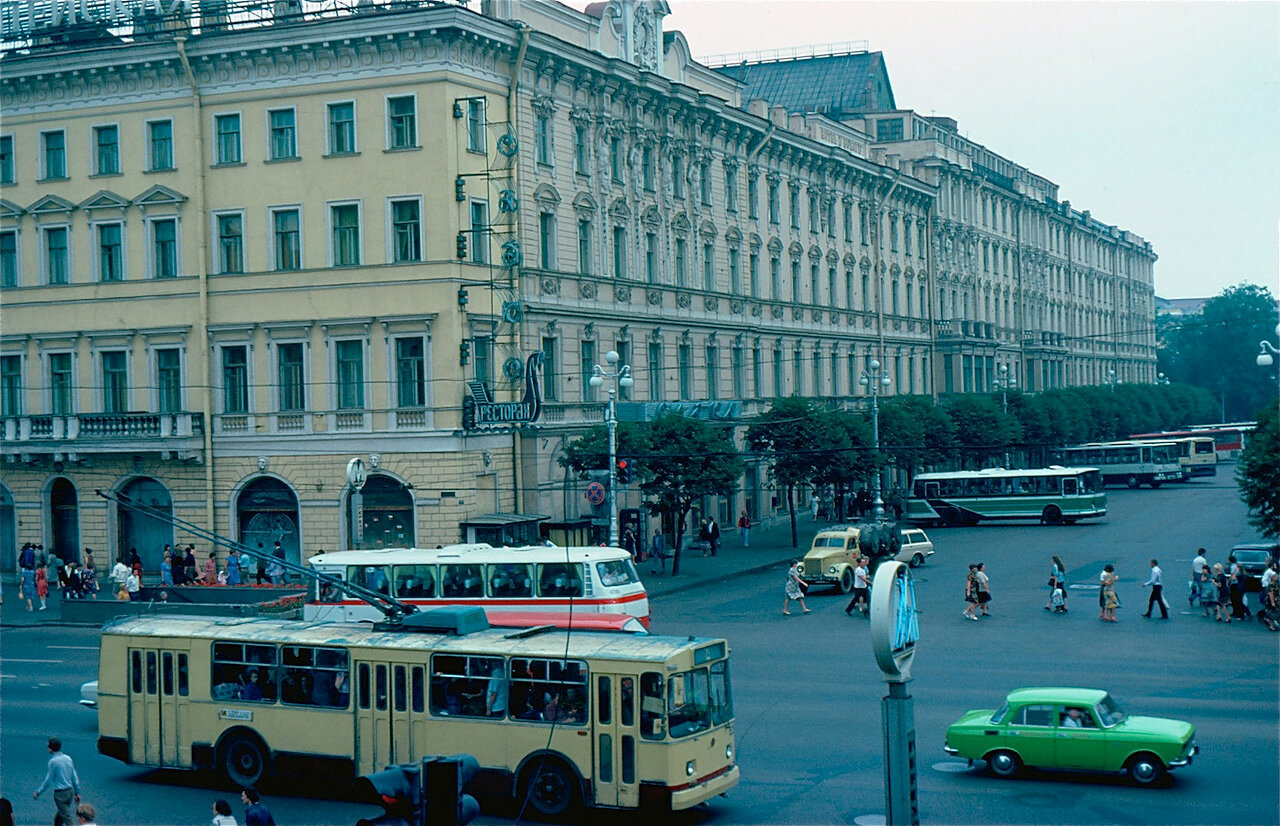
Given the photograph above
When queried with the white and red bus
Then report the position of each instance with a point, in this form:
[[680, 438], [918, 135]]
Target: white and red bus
[[528, 579], [1228, 439]]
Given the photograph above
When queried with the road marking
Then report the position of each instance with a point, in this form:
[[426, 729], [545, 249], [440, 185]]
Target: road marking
[[12, 660], [73, 647]]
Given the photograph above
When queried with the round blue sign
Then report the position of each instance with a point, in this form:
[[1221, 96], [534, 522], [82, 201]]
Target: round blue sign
[[595, 493]]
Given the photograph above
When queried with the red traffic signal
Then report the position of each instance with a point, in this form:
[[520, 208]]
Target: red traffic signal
[[624, 471]]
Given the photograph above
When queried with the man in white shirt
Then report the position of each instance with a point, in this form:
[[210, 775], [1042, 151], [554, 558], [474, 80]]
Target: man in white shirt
[[861, 588], [1198, 566], [1156, 581]]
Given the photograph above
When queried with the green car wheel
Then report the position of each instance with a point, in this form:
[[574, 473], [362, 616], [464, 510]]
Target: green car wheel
[[1004, 763]]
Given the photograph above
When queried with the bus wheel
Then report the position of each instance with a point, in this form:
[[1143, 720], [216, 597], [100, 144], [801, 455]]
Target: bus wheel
[[1132, 482], [549, 786], [846, 581], [1155, 484], [951, 518], [244, 759], [1052, 515]]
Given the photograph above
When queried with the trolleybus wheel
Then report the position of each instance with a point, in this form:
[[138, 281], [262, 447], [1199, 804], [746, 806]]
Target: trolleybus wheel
[[951, 518], [1132, 482], [550, 787], [244, 759], [1155, 484], [1052, 515]]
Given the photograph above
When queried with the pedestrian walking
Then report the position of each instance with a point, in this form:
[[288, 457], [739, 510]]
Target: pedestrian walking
[[133, 586], [1057, 581], [861, 588], [704, 537], [713, 535], [1156, 583], [119, 573], [166, 568], [275, 569], [28, 588], [261, 559], [814, 502], [233, 567], [744, 529], [1235, 581], [256, 814], [794, 589], [971, 593], [983, 586], [189, 565], [42, 586], [61, 777], [1199, 578], [658, 549], [1108, 599], [1223, 587], [209, 573], [89, 575], [222, 814]]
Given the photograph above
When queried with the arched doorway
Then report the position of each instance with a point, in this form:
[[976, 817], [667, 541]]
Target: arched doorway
[[8, 532], [138, 529], [267, 512], [388, 514], [64, 519]]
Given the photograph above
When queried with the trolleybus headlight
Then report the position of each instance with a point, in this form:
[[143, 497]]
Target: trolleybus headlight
[[728, 752], [689, 768]]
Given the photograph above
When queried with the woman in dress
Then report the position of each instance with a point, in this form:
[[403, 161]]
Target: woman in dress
[[42, 585], [983, 586], [1057, 579], [793, 590], [1110, 600], [166, 568], [1223, 587], [970, 593], [29, 586]]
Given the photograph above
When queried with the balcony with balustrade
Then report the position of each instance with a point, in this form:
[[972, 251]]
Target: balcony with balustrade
[[177, 436]]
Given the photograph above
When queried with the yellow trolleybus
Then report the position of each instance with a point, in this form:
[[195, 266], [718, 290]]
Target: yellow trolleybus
[[561, 718]]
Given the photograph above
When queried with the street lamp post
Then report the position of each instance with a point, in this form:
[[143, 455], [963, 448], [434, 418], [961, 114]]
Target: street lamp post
[[873, 378], [1005, 380], [1162, 379], [618, 375], [1266, 351], [1111, 379]]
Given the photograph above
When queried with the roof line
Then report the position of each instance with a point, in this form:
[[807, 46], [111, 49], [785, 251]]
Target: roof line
[[842, 49]]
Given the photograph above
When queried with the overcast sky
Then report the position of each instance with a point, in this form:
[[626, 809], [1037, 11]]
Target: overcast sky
[[1161, 118]]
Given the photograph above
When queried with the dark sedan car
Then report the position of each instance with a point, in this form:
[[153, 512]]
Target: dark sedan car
[[1253, 559]]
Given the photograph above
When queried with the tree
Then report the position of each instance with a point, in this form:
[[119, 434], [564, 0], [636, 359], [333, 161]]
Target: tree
[[591, 450], [847, 457], [1258, 472], [914, 432], [685, 459], [983, 431], [792, 434]]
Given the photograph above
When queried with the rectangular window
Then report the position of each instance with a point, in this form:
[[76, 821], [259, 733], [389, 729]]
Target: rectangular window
[[775, 277], [889, 129], [584, 246], [230, 243], [731, 189], [753, 195], [832, 287], [106, 146], [235, 380], [411, 372], [542, 139], [164, 248], [848, 221], [474, 686], [290, 389], [349, 364], [10, 385], [866, 293], [110, 252], [169, 379], [619, 252], [735, 273], [237, 666], [479, 232], [476, 121], [817, 374], [483, 362], [778, 386], [550, 369], [814, 292], [813, 213], [53, 148], [684, 370], [651, 257], [615, 159], [623, 349], [284, 135], [8, 258], [61, 385], [646, 168], [713, 373], [580, 164], [794, 205], [773, 202], [797, 371], [402, 122], [57, 265], [739, 367], [795, 280], [286, 231], [708, 267], [227, 139], [704, 180], [753, 274], [682, 262], [345, 224], [677, 176], [406, 231], [115, 382], [547, 240], [757, 367], [588, 360], [160, 145], [342, 128], [655, 371], [6, 159], [848, 289]]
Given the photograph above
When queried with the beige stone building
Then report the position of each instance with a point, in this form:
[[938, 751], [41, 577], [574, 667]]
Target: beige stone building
[[240, 246]]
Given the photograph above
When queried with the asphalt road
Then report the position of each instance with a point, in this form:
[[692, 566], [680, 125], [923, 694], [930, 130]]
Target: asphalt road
[[807, 691]]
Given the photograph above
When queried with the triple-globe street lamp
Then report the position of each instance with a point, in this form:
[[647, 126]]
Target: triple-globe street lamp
[[873, 378], [618, 375], [1005, 380]]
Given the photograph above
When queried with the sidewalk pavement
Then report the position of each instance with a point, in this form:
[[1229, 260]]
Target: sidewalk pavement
[[770, 547]]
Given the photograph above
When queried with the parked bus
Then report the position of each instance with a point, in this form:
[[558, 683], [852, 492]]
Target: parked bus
[[1228, 439], [1131, 463], [565, 718], [1054, 495], [526, 579], [1198, 456]]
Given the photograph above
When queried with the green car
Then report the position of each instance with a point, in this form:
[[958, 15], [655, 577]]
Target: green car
[[1071, 728]]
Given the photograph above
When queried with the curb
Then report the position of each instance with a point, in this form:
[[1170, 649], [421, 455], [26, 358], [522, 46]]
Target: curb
[[715, 580]]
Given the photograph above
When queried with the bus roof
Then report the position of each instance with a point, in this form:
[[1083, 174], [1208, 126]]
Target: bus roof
[[1000, 473], [552, 643], [475, 552]]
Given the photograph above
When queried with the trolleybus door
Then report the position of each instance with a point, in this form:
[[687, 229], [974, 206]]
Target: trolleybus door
[[616, 734], [158, 684], [390, 715]]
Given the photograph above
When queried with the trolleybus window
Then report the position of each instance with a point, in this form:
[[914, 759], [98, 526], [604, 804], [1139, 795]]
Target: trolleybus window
[[415, 581], [460, 685], [652, 706], [552, 691], [315, 676], [462, 580], [560, 579], [183, 685], [419, 692], [244, 672], [510, 580]]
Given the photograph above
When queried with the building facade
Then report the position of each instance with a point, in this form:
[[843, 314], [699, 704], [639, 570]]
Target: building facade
[[240, 246]]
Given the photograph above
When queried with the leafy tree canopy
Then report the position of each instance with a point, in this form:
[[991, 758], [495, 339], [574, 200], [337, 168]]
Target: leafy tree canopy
[[1258, 472]]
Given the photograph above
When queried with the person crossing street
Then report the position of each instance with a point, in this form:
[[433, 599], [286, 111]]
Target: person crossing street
[[1156, 583]]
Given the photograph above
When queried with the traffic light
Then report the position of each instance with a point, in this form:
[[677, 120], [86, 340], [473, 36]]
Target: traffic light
[[398, 789], [464, 352], [624, 471], [460, 188], [462, 245], [447, 779]]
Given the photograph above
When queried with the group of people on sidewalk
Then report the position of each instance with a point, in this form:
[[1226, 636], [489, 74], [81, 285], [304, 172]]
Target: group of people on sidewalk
[[1221, 590], [38, 571]]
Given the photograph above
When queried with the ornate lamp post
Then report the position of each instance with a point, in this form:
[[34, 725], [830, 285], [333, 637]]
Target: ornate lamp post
[[873, 378], [1162, 379], [1005, 380], [1110, 380], [618, 376], [1266, 351]]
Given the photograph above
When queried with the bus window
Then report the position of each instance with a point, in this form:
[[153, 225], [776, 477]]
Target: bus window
[[166, 674], [415, 581], [466, 686], [135, 672], [327, 592], [627, 701], [244, 672], [418, 690], [628, 759], [931, 490], [721, 696], [184, 687], [373, 577], [560, 579], [362, 689], [400, 699], [553, 691], [509, 580], [1069, 486], [314, 676], [380, 687], [461, 581], [617, 572], [689, 701], [604, 701], [652, 707]]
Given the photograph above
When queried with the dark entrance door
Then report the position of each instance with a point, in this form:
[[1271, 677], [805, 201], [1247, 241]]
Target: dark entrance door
[[387, 511], [149, 534], [8, 532], [64, 514], [268, 513]]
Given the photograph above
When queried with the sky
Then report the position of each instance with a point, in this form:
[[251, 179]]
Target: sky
[[1160, 118]]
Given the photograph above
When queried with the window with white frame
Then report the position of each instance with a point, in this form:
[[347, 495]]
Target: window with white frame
[[291, 389], [53, 154], [283, 137], [584, 246], [235, 379], [739, 367], [646, 168], [655, 371], [61, 368], [227, 140], [7, 175], [480, 235], [753, 195], [753, 273], [708, 266], [342, 128], [164, 247], [286, 236], [344, 228], [115, 381], [619, 252], [731, 189], [160, 145], [230, 250], [778, 385], [651, 257], [476, 123], [542, 138], [677, 175], [10, 385], [110, 240], [411, 371], [713, 372], [348, 358], [615, 159], [9, 257], [550, 368], [406, 230], [684, 370], [106, 150], [168, 366], [735, 272], [56, 253], [704, 182], [682, 262], [586, 364], [581, 164], [547, 240], [775, 277]]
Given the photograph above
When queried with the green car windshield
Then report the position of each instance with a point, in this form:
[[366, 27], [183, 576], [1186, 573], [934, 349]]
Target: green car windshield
[[1108, 712]]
